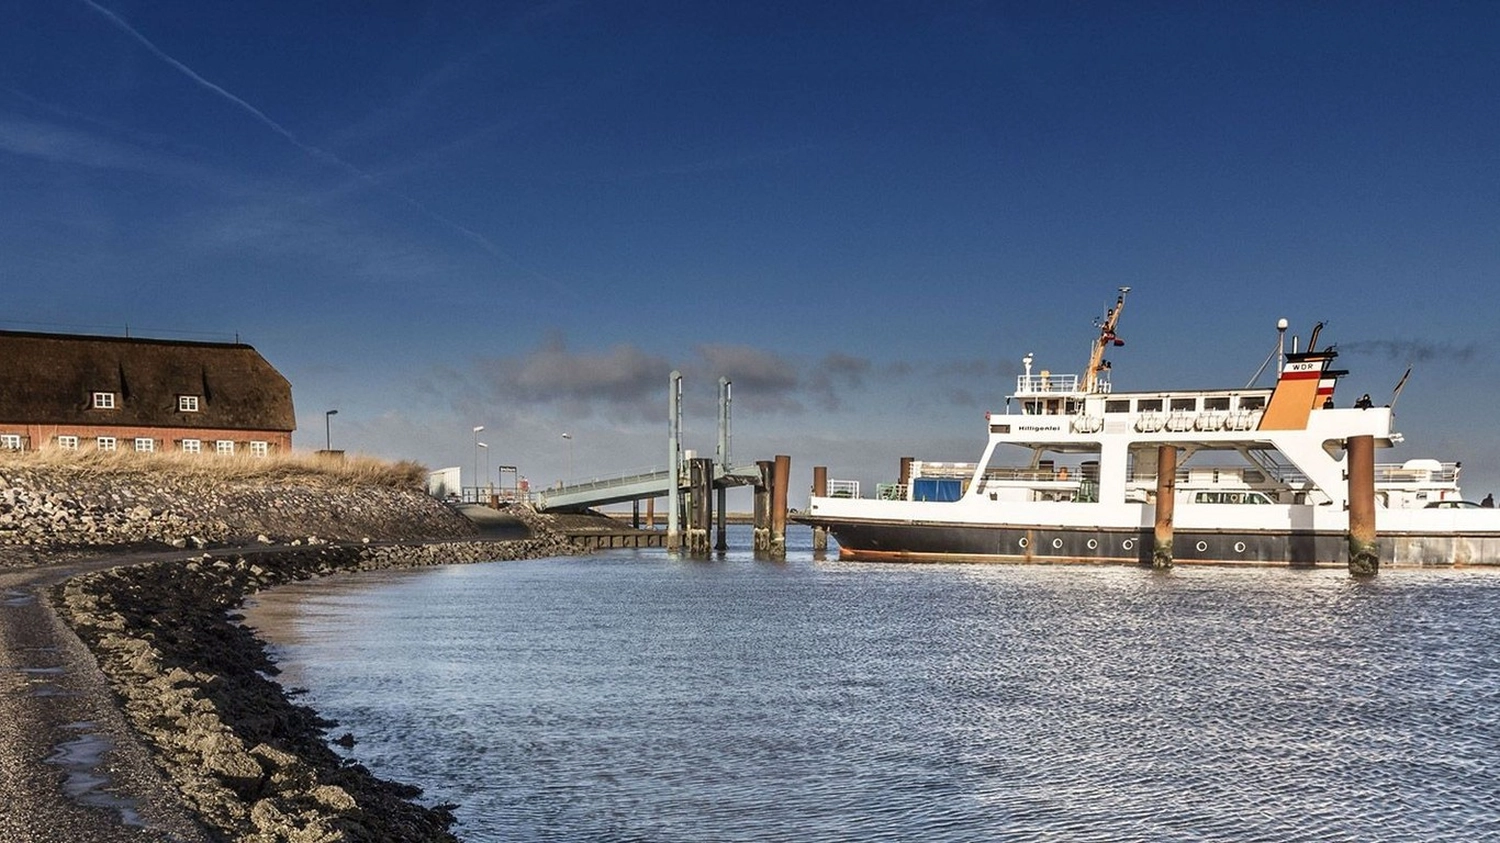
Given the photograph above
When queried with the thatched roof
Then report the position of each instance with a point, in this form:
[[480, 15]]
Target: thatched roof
[[51, 379]]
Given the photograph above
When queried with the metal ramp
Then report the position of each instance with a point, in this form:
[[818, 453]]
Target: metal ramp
[[634, 486]]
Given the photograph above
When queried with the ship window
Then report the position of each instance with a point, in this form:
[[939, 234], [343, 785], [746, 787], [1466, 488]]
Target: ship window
[[1217, 403], [1148, 405], [1252, 402], [1184, 403], [1117, 405]]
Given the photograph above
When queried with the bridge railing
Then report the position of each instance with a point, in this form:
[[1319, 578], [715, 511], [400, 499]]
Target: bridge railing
[[626, 478]]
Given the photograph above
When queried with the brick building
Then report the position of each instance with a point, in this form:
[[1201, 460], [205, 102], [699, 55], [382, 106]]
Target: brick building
[[120, 393]]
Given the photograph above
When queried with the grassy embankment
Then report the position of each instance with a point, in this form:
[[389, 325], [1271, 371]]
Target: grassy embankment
[[355, 470]]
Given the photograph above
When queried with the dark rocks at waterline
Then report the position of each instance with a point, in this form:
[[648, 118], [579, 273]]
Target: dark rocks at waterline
[[251, 763]]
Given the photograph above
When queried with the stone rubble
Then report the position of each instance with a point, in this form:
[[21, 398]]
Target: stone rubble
[[252, 764]]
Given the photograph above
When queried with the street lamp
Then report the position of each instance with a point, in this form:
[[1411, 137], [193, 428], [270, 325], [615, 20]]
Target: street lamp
[[569, 437], [328, 429], [477, 428], [486, 463]]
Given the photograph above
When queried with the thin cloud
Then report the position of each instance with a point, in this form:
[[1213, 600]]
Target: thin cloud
[[317, 153], [58, 145]]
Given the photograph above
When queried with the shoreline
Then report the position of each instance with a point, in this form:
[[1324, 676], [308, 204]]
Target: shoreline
[[135, 706], [248, 760]]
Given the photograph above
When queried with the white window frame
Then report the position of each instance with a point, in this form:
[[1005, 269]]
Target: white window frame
[[145, 445], [259, 448], [107, 443], [224, 446], [67, 443], [10, 441], [187, 403], [104, 401], [192, 446]]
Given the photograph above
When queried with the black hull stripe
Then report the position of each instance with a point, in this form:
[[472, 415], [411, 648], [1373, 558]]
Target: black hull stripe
[[874, 541]]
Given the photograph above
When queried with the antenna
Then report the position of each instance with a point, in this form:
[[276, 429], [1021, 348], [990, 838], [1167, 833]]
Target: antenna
[[1278, 352], [1396, 393]]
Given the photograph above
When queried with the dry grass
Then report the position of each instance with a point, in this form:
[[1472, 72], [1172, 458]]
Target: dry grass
[[294, 466]]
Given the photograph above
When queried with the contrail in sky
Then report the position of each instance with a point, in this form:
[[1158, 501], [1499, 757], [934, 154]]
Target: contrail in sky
[[479, 239]]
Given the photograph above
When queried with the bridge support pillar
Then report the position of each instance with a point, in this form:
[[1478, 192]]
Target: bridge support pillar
[[762, 529], [1166, 502], [721, 519], [1364, 551], [820, 489], [700, 504]]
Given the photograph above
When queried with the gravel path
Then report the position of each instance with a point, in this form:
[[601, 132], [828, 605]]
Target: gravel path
[[70, 767]]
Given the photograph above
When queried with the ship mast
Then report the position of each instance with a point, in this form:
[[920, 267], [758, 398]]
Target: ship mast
[[1106, 338]]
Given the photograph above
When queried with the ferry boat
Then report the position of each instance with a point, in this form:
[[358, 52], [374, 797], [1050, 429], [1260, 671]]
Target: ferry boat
[[1260, 478]]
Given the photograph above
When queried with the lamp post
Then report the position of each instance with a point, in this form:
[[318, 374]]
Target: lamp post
[[477, 428], [486, 449], [569, 437], [328, 429]]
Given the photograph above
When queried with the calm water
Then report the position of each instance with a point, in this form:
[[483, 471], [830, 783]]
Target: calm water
[[629, 696]]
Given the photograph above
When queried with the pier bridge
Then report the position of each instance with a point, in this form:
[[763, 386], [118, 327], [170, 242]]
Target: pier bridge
[[694, 486]]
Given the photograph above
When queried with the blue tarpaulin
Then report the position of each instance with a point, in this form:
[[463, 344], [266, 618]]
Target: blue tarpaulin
[[936, 489]]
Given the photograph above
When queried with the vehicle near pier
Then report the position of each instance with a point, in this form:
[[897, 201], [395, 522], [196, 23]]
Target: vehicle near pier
[[1262, 478]]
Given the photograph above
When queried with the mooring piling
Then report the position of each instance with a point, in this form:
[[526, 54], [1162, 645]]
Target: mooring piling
[[762, 516], [780, 477], [700, 504], [1364, 548], [820, 489], [1166, 502]]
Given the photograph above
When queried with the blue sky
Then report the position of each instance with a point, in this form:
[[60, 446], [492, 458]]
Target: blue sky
[[525, 215]]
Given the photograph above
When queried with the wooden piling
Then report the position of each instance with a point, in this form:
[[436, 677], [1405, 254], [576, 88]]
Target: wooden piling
[[762, 529], [721, 516], [782, 475], [820, 489], [700, 504], [1364, 549], [1166, 503], [651, 513]]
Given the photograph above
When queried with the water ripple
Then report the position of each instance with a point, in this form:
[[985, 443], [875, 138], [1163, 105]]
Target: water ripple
[[631, 697]]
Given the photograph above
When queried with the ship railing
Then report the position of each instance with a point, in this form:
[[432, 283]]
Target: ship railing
[[962, 470], [1417, 471], [1043, 474], [1277, 470], [890, 491], [1042, 384], [843, 488]]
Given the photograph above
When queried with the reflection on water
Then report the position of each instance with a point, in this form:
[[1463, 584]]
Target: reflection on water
[[634, 696]]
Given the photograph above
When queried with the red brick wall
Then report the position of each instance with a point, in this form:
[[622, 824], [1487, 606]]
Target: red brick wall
[[39, 436]]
